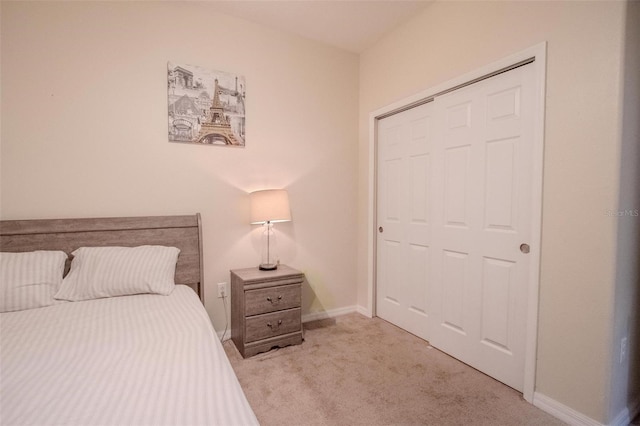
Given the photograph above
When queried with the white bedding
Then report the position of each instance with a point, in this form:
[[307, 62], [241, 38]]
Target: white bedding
[[131, 360]]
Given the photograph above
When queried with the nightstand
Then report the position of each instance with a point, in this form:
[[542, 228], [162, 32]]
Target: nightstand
[[266, 309]]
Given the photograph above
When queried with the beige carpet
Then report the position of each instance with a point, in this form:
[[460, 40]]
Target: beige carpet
[[360, 371]]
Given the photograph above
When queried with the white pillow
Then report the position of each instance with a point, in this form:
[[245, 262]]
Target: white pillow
[[29, 280], [119, 271]]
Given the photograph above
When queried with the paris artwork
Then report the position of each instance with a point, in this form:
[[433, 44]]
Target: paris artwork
[[205, 106]]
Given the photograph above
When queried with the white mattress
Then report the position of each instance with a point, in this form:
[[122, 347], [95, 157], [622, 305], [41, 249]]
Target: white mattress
[[132, 360]]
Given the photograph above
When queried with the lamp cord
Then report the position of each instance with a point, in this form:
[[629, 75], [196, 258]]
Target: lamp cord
[[226, 319]]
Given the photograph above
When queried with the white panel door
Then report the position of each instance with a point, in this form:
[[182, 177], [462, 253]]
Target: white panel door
[[483, 175], [454, 207], [403, 244]]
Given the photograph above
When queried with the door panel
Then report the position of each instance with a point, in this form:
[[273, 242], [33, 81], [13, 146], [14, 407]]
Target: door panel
[[404, 194], [497, 168], [455, 284], [418, 270], [497, 282], [393, 257], [456, 186], [501, 190]]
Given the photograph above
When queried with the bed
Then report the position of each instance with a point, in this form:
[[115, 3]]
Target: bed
[[142, 359]]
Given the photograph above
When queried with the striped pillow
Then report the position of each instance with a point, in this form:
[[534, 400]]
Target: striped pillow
[[29, 280], [98, 272]]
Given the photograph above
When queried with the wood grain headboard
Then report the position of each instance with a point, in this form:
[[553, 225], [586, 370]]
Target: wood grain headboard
[[183, 232]]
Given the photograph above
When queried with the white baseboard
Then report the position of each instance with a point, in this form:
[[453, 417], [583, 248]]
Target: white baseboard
[[562, 412], [331, 313], [622, 419], [364, 311], [627, 414], [572, 417]]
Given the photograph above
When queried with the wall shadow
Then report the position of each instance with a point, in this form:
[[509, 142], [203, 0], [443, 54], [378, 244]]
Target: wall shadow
[[625, 392]]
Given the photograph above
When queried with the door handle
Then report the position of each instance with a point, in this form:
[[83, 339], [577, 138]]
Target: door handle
[[274, 327], [524, 248], [381, 229]]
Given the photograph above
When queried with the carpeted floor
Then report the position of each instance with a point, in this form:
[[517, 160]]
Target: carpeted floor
[[359, 371]]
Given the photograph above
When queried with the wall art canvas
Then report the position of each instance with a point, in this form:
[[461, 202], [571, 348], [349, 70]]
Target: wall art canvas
[[205, 106]]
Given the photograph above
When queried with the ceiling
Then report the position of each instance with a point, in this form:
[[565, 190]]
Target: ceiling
[[353, 25]]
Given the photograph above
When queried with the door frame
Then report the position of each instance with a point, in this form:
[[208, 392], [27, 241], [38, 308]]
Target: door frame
[[538, 53]]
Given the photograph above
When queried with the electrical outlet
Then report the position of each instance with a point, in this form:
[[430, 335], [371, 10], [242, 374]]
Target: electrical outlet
[[623, 349], [222, 290]]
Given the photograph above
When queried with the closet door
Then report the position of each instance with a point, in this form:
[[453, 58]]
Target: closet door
[[404, 228], [482, 223], [454, 200]]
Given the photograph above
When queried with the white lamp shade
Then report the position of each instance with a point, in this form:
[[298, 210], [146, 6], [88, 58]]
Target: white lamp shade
[[270, 205]]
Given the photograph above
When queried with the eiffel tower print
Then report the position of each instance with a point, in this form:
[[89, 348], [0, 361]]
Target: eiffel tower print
[[218, 129]]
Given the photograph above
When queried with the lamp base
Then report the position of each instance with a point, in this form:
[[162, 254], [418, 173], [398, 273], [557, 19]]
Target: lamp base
[[268, 266]]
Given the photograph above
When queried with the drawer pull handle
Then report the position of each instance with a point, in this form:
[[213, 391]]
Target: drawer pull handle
[[271, 326], [271, 300]]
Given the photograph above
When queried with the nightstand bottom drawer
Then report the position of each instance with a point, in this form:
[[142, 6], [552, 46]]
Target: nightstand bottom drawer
[[274, 324]]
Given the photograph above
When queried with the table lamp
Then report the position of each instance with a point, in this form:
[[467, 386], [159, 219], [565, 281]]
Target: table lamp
[[267, 207]]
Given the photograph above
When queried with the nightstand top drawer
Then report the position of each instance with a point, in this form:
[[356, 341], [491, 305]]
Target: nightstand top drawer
[[254, 275], [272, 299]]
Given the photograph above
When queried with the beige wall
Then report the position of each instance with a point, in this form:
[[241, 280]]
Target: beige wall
[[581, 158], [84, 132]]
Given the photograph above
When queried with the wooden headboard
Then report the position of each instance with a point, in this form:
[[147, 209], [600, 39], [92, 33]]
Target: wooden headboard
[[183, 232]]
